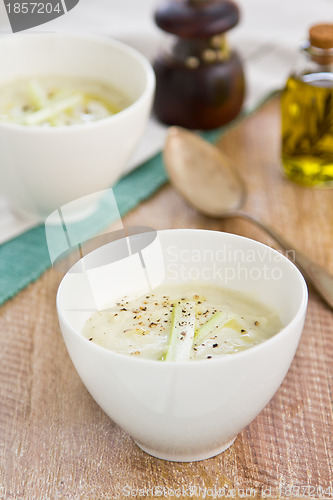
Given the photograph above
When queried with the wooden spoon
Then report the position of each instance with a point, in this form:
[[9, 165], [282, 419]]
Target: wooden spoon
[[205, 177]]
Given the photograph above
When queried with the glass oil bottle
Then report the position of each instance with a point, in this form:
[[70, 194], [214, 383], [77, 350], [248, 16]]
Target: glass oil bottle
[[307, 113]]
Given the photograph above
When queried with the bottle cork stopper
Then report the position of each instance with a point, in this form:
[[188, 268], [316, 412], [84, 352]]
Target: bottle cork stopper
[[321, 36]]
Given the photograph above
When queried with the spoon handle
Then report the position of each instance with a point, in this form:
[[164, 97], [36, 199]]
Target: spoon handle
[[316, 275]]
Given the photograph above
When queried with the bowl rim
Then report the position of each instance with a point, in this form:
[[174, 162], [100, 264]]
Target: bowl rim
[[301, 311], [96, 39]]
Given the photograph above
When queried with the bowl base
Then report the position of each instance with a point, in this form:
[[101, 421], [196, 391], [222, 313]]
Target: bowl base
[[186, 457]]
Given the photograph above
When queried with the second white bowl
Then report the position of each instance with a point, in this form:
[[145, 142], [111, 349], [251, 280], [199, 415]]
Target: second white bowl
[[45, 168]]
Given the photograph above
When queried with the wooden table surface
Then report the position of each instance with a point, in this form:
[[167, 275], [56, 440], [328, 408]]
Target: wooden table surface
[[55, 442]]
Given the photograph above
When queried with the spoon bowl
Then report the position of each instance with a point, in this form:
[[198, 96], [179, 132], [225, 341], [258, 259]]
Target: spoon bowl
[[213, 187]]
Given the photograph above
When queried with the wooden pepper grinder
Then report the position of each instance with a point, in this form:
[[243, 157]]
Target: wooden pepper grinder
[[199, 80]]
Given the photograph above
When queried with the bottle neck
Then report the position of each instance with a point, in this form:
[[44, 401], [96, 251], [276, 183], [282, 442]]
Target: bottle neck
[[322, 57]]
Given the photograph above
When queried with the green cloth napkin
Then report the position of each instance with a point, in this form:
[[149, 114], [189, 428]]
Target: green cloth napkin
[[24, 258]]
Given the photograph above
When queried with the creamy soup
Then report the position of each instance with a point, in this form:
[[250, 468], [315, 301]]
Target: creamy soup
[[59, 101], [183, 322]]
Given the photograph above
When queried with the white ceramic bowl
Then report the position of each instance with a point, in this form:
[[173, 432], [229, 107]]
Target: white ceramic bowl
[[44, 168], [193, 410]]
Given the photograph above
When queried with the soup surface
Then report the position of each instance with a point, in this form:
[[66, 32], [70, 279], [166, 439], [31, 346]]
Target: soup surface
[[183, 322], [59, 101]]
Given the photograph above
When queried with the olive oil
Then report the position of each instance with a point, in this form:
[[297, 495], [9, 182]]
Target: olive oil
[[307, 112], [307, 129]]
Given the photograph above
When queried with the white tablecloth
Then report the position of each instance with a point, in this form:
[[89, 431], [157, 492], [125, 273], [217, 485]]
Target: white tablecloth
[[267, 38]]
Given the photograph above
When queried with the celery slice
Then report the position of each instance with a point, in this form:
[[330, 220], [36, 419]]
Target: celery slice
[[182, 332], [37, 94], [215, 323], [53, 109]]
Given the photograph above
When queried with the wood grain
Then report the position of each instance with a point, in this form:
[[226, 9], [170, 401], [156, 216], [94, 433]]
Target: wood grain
[[55, 442]]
